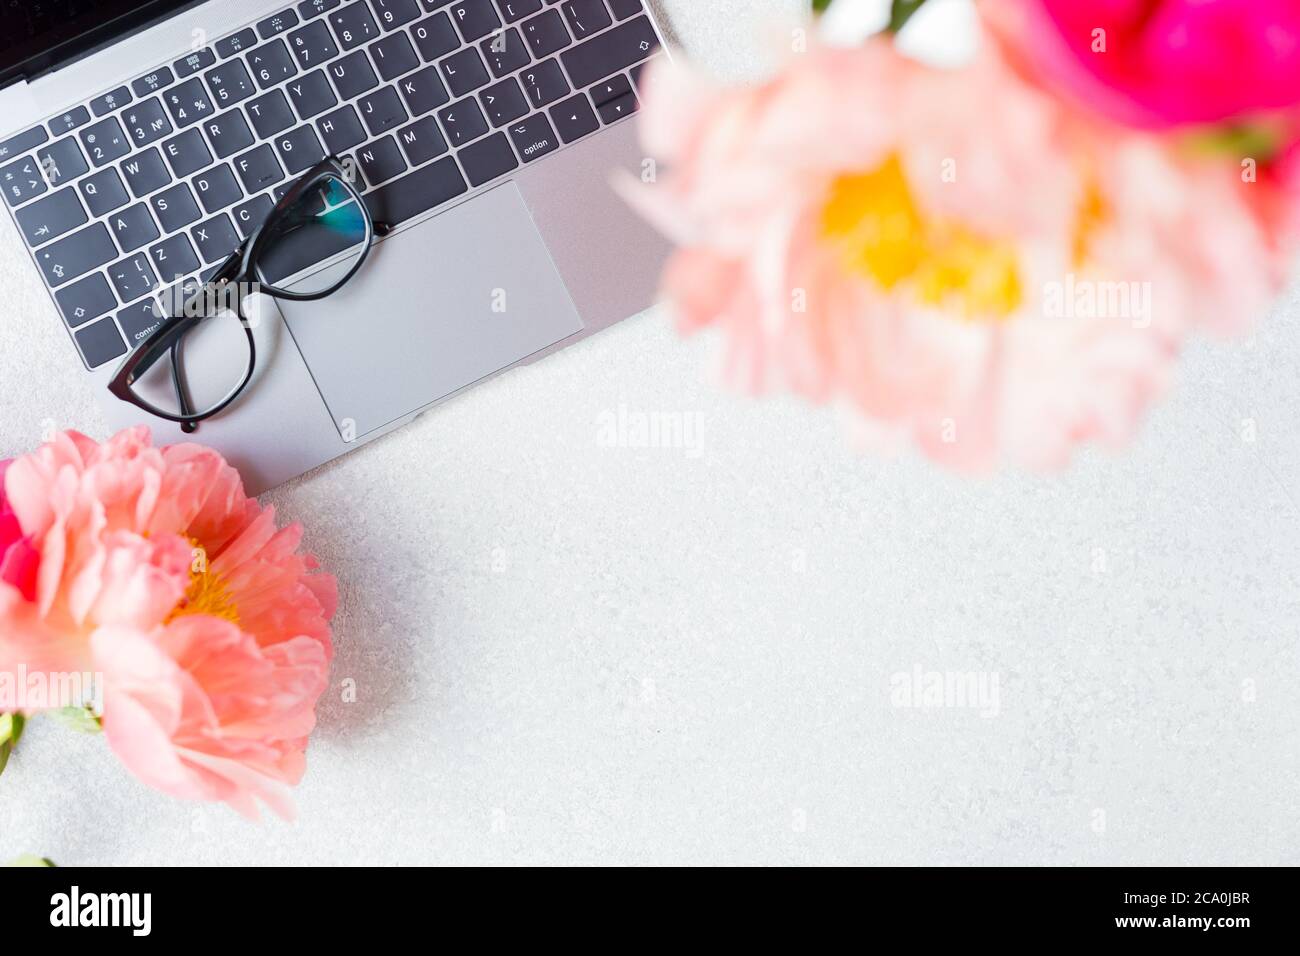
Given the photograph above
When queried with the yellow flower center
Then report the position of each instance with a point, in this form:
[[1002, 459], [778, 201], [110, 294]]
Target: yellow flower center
[[207, 592], [874, 218]]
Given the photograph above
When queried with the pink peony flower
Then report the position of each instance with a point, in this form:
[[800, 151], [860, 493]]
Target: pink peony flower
[[1160, 63], [944, 251], [151, 567]]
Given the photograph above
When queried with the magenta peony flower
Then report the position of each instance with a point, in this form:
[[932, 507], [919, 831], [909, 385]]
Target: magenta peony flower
[[151, 567], [1157, 63], [18, 559]]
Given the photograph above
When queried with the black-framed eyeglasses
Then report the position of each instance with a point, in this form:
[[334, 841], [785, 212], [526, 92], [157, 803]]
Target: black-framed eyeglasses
[[309, 245]]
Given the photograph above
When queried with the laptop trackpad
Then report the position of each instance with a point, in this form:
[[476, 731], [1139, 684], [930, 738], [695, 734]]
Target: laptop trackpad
[[432, 310]]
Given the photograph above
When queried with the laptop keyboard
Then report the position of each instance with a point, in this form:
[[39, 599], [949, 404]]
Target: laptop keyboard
[[159, 180]]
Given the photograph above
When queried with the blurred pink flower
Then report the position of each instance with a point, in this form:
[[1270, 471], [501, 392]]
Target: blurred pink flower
[[1162, 62], [209, 628], [944, 251]]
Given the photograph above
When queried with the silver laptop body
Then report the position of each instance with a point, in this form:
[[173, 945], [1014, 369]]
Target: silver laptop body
[[511, 242]]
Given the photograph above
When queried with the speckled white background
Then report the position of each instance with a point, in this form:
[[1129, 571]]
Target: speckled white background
[[569, 653]]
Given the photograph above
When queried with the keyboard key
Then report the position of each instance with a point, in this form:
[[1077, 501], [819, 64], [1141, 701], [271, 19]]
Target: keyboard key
[[314, 8], [215, 238], [513, 10], [394, 55], [463, 121], [236, 43], [435, 36], [546, 34], [258, 169], [464, 72], [73, 256], [610, 52], [422, 141], [423, 91], [299, 149], [133, 277], [153, 82], [141, 320], [574, 118], [505, 52], [416, 192], [61, 161], [105, 141], [173, 258], [111, 101], [533, 137], [393, 13], [617, 109], [146, 122], [133, 227], [609, 90], [229, 83], [352, 75], [312, 94], [585, 17], [381, 110], [100, 343], [354, 25], [504, 102], [51, 217], [544, 83], [145, 173], [272, 64], [341, 130], [270, 114], [188, 103], [186, 153], [85, 299], [228, 133], [625, 8], [381, 160], [217, 188], [175, 207], [640, 68], [103, 192], [30, 139], [488, 158], [277, 24], [312, 45], [250, 215], [475, 19], [198, 60], [22, 180], [68, 121]]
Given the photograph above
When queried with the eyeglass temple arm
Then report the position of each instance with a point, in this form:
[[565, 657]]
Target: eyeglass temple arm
[[182, 393]]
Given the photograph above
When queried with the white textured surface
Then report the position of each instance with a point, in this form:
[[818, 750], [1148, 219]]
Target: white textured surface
[[567, 652]]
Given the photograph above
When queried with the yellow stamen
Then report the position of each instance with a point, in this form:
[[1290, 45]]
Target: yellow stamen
[[207, 593], [874, 218]]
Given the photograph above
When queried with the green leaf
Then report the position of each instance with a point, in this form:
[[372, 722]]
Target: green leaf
[[27, 859], [80, 719], [901, 12], [1259, 141], [819, 6], [11, 728]]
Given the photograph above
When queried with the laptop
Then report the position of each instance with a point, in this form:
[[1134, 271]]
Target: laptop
[[140, 142]]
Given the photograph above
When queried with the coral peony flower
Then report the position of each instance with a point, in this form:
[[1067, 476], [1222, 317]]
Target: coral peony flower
[[968, 265], [150, 567], [1162, 62]]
